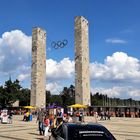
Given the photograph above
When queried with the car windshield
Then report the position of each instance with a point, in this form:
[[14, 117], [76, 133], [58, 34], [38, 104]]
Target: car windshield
[[88, 132]]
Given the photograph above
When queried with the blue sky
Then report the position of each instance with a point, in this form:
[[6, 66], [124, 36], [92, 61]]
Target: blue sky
[[113, 42]]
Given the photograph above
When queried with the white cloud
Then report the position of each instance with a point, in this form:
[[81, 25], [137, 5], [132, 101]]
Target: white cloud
[[119, 91], [54, 87], [59, 70], [23, 77], [15, 50], [135, 93], [98, 71], [115, 41], [118, 67], [111, 92]]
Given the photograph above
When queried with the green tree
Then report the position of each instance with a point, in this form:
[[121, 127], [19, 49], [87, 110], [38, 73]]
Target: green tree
[[48, 97], [24, 97], [1, 96], [68, 96], [55, 99], [10, 93], [97, 99]]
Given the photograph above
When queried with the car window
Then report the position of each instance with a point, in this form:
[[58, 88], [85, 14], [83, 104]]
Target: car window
[[86, 132]]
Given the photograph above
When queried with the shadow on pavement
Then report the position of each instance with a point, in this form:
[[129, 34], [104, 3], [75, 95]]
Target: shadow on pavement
[[37, 135], [34, 134], [11, 138]]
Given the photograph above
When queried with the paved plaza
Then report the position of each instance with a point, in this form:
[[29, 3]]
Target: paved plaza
[[122, 129]]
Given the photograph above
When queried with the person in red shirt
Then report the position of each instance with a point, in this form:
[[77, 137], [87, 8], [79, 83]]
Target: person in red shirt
[[47, 126]]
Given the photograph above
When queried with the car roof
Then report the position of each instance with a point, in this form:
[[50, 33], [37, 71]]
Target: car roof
[[82, 124], [88, 129]]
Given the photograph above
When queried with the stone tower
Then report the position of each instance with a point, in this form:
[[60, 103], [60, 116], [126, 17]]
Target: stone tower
[[38, 71], [82, 78]]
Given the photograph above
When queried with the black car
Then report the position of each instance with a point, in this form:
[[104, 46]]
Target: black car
[[82, 131]]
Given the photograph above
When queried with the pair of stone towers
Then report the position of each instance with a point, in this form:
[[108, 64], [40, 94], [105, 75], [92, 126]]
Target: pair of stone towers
[[38, 74]]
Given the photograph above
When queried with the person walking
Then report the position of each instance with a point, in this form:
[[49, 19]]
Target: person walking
[[40, 120], [47, 126], [10, 116], [96, 116]]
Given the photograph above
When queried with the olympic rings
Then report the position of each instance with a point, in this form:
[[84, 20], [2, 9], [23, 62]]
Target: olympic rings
[[59, 44]]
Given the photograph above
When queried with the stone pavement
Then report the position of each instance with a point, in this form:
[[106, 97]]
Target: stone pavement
[[20, 130], [121, 128]]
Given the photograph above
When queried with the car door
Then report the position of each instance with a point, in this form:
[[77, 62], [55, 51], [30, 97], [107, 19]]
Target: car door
[[61, 133]]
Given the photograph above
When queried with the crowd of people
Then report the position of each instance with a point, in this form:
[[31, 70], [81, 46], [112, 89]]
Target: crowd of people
[[47, 123], [105, 115]]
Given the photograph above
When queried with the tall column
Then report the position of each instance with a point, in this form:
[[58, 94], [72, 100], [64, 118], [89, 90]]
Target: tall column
[[82, 78], [38, 70]]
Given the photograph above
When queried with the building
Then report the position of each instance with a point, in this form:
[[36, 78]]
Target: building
[[118, 111], [38, 69], [82, 78]]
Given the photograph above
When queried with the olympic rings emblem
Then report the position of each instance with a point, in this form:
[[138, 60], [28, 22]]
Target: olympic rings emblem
[[59, 44]]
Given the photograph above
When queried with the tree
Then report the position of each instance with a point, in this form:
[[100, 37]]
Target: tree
[[24, 97], [1, 96], [55, 99], [10, 93], [48, 97], [97, 99], [68, 96]]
